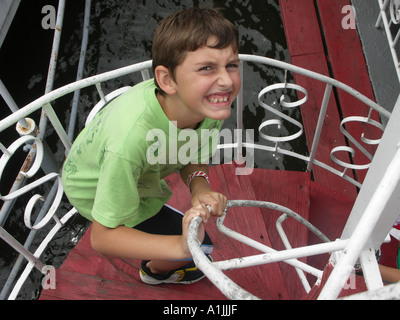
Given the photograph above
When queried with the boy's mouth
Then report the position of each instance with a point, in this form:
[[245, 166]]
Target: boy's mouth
[[217, 99]]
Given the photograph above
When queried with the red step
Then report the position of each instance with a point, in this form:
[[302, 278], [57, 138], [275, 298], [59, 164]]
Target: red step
[[306, 50], [292, 191], [329, 211], [341, 44], [100, 275], [354, 286], [88, 275]]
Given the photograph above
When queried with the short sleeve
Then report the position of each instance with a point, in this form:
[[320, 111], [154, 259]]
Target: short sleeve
[[117, 199]]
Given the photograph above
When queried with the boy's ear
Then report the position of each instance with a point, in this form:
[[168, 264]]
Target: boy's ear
[[165, 80]]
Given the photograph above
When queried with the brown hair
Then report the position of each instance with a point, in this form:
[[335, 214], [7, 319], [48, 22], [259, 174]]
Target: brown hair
[[188, 30]]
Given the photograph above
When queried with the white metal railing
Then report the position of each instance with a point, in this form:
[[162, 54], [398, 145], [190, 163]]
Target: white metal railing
[[389, 18], [45, 101], [28, 127], [49, 210], [356, 243], [214, 269]]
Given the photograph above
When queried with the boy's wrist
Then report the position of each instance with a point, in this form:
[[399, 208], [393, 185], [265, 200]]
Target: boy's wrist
[[199, 173], [193, 178], [198, 184]]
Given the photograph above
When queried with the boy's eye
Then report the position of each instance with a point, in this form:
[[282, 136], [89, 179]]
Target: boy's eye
[[206, 68], [232, 67]]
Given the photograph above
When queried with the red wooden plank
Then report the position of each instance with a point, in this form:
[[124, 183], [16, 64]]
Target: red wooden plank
[[85, 267], [301, 27], [247, 221], [77, 286], [389, 253], [329, 211], [289, 189], [348, 66], [87, 274], [306, 50], [357, 287], [264, 281]]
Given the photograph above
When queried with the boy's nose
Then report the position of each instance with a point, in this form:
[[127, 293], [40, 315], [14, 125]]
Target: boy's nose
[[224, 80]]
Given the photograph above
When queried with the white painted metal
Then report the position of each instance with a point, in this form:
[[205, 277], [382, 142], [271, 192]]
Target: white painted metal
[[322, 113], [389, 292], [81, 64], [11, 102], [53, 199], [384, 157], [8, 8], [375, 210], [389, 16], [370, 267], [213, 269], [230, 289]]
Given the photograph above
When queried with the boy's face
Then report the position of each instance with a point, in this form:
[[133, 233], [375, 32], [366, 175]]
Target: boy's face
[[207, 82]]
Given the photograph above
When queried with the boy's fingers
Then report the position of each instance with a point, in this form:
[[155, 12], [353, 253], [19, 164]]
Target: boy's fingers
[[218, 207]]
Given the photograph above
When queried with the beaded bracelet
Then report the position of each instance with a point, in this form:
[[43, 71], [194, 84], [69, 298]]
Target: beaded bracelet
[[196, 174]]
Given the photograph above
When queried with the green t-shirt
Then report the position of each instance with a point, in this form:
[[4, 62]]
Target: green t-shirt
[[114, 171]]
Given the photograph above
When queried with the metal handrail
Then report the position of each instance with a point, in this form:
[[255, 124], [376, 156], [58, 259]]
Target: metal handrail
[[213, 270]]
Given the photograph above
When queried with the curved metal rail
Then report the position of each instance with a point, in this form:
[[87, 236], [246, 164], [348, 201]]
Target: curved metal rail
[[213, 270]]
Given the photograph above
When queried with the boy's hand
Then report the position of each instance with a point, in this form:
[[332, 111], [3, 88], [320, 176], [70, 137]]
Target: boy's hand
[[206, 197], [202, 195]]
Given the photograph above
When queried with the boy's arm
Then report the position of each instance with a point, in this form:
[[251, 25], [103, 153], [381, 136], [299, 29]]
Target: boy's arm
[[130, 243], [201, 191]]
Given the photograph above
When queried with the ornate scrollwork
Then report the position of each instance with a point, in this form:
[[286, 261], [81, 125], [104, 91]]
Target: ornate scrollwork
[[285, 104], [395, 11], [351, 150], [50, 214], [34, 167]]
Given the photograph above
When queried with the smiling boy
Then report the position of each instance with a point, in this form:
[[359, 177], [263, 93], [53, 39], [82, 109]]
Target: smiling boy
[[107, 176]]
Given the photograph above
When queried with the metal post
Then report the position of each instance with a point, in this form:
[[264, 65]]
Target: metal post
[[85, 37], [321, 119], [11, 103], [376, 207]]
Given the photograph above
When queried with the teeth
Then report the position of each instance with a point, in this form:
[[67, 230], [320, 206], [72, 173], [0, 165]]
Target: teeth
[[220, 100]]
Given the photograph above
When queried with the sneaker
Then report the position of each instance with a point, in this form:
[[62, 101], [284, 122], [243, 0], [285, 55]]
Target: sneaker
[[185, 275]]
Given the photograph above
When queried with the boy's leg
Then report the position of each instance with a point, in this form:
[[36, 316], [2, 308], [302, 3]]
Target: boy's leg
[[169, 222]]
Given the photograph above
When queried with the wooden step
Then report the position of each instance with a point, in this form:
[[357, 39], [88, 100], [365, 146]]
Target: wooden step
[[306, 49], [266, 281], [291, 190], [88, 275], [103, 274], [354, 286], [329, 211], [340, 45]]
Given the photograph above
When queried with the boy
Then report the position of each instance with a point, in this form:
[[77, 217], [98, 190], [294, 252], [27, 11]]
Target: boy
[[108, 176]]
